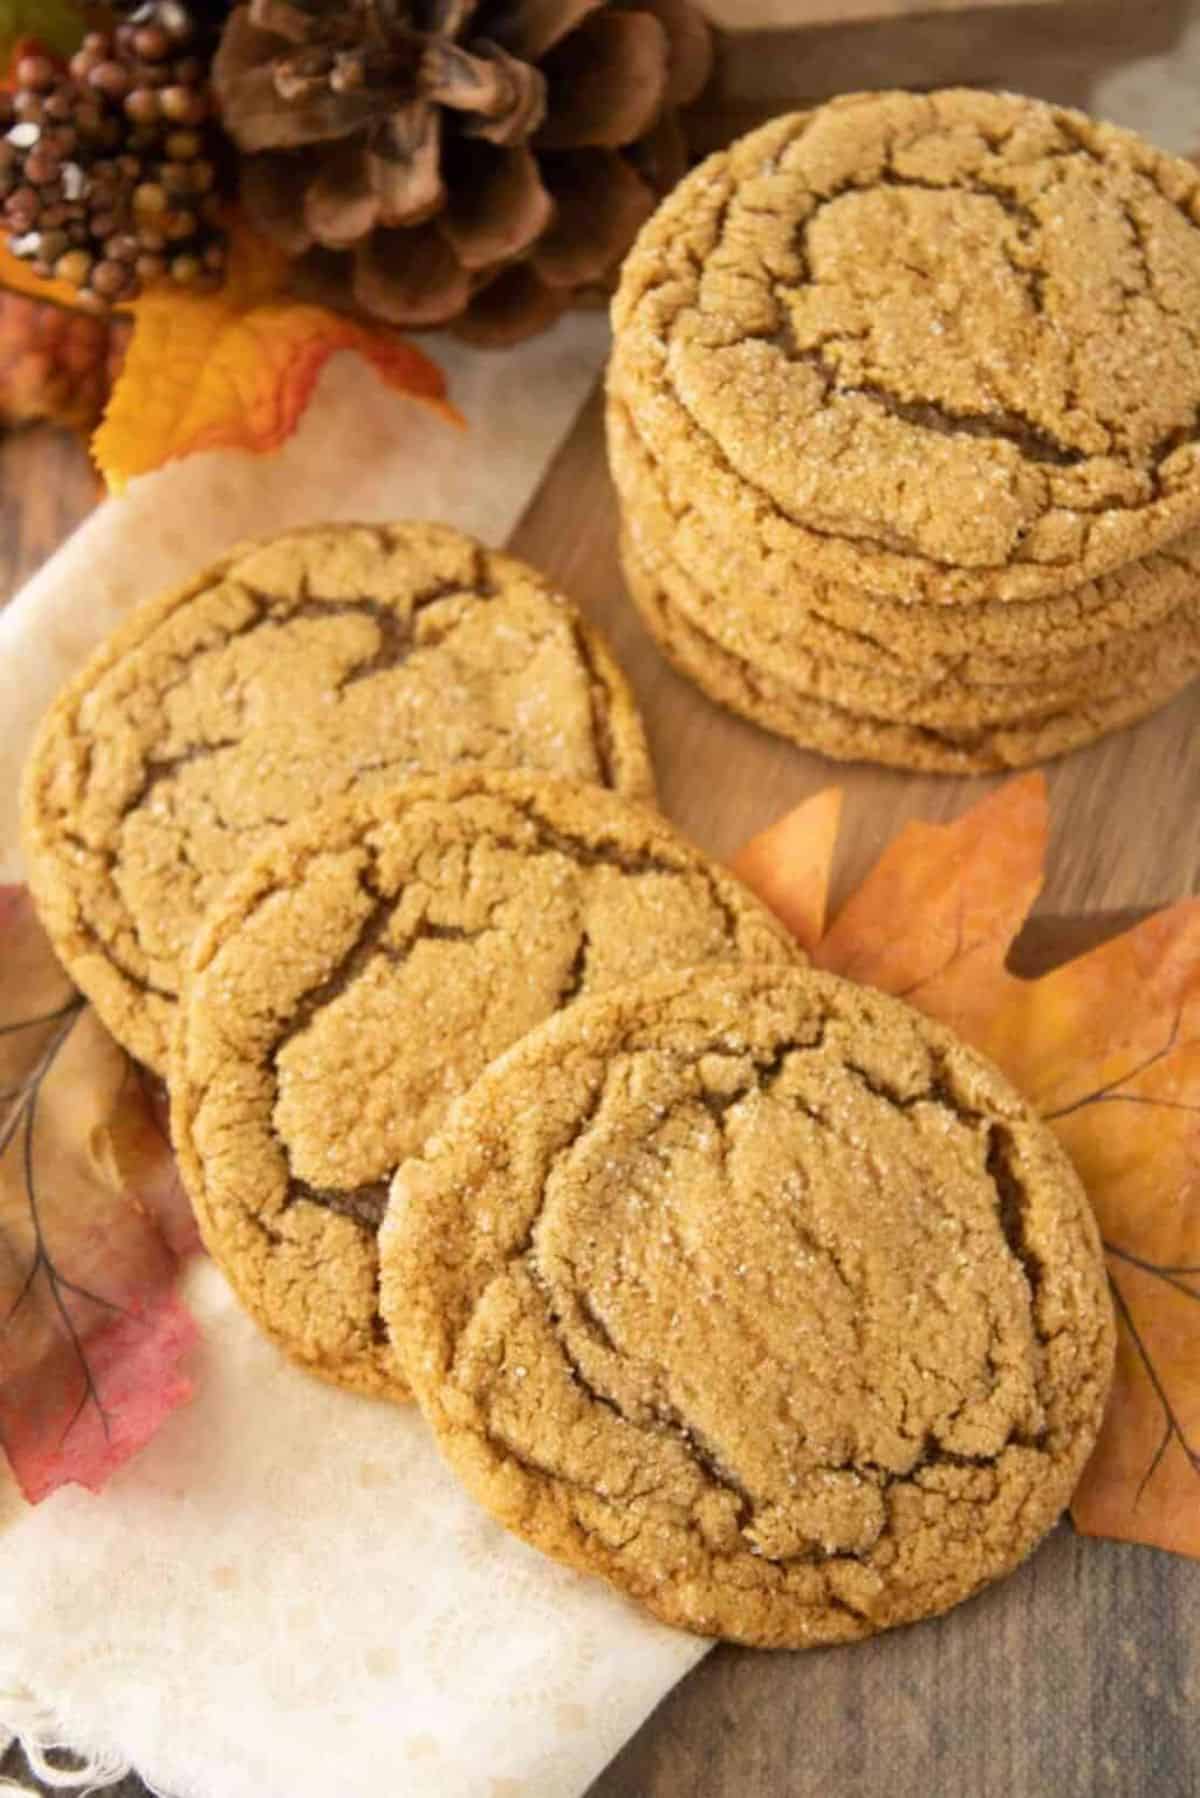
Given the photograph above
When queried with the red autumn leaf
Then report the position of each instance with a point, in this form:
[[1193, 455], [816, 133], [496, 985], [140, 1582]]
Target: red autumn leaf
[[91, 1225], [1107, 1047]]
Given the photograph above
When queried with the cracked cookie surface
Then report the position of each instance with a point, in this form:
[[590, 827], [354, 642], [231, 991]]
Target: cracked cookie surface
[[350, 983], [784, 612], [1143, 667], [291, 672], [759, 1295], [940, 346], [751, 686]]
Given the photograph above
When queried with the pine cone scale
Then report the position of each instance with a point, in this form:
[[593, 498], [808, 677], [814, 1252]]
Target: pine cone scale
[[257, 115], [273, 192], [404, 161], [513, 306], [689, 49], [607, 82], [531, 28], [282, 18], [341, 206], [499, 214], [601, 204], [411, 277]]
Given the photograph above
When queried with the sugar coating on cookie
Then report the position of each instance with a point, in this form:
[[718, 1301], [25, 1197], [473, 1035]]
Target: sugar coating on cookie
[[941, 345], [788, 613], [1029, 725], [359, 975], [760, 1295], [287, 674]]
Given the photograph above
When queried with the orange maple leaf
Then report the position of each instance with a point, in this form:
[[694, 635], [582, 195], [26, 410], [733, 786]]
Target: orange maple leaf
[[789, 864], [1107, 1047], [233, 369], [236, 368]]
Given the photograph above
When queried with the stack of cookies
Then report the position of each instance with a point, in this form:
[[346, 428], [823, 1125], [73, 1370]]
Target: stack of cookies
[[903, 417], [753, 1292]]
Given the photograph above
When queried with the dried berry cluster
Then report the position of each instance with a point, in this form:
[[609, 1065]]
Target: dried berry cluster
[[107, 175]]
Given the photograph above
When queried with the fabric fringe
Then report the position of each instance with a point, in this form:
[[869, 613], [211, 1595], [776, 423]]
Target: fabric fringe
[[25, 1720]]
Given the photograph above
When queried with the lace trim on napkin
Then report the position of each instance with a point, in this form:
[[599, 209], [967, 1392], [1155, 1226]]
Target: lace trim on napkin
[[25, 1721]]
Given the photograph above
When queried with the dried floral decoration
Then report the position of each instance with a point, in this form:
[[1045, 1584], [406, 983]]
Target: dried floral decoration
[[55, 363], [234, 369], [93, 1221], [219, 356], [484, 161], [107, 170], [1108, 1048]]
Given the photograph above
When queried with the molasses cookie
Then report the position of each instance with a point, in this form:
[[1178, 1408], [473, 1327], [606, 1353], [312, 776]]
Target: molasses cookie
[[765, 698], [936, 346], [947, 694], [944, 696], [287, 674], [362, 971], [760, 1295], [766, 598]]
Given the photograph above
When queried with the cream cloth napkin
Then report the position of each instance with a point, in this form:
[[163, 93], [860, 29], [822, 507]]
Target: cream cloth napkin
[[287, 1593]]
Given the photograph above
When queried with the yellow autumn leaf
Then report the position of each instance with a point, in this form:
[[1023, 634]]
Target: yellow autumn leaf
[[18, 277], [235, 369]]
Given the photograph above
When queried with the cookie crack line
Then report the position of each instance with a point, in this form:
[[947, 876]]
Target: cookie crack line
[[668, 1421], [604, 852], [673, 1424], [575, 978], [365, 1204], [1006, 427], [1002, 425], [395, 644], [1013, 1210]]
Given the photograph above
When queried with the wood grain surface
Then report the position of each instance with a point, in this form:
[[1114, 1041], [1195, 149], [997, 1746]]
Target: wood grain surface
[[757, 15], [1062, 53], [1080, 1676]]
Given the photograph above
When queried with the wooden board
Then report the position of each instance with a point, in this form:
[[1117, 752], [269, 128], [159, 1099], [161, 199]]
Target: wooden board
[[754, 15]]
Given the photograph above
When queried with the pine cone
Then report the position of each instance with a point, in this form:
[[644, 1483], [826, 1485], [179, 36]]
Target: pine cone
[[485, 162]]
